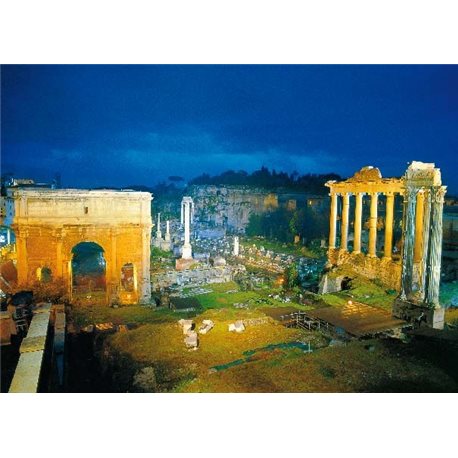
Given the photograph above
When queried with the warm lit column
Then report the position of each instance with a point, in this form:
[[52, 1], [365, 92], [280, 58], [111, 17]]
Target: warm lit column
[[437, 201], [333, 221], [419, 215], [389, 224], [345, 208], [357, 225], [373, 226]]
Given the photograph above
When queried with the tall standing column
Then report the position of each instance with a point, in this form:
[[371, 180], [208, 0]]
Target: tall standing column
[[158, 231], [426, 232], [389, 225], [373, 226], [410, 198], [419, 215], [187, 249], [357, 225], [344, 230], [167, 231], [333, 221], [433, 281]]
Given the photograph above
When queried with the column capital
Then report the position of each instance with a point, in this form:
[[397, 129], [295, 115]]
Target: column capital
[[438, 194], [389, 193]]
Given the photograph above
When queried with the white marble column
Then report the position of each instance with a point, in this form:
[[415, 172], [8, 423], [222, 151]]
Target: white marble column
[[187, 249], [158, 230], [167, 232]]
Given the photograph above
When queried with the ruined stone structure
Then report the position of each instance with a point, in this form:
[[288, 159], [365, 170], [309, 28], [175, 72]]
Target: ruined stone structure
[[50, 223], [165, 243], [417, 274], [231, 206], [187, 215]]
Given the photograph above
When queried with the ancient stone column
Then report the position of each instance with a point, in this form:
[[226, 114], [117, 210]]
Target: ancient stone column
[[426, 234], [410, 198], [419, 214], [167, 232], [373, 226], [358, 217], [236, 246], [333, 221], [187, 249], [344, 230], [158, 231], [433, 276], [389, 225]]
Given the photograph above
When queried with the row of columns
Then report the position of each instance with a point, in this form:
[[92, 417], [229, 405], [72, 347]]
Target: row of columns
[[389, 218], [422, 249]]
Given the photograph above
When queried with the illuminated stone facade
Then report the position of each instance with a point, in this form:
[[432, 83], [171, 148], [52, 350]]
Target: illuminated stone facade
[[416, 275], [50, 223]]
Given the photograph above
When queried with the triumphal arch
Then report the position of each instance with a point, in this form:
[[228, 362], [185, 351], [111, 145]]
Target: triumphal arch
[[413, 265], [50, 223]]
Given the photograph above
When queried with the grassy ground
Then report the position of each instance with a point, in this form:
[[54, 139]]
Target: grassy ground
[[360, 366]]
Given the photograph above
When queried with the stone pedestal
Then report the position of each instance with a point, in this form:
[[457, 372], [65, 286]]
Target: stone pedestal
[[418, 314]]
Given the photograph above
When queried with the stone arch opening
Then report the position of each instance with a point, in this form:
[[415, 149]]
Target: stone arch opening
[[88, 271], [44, 274]]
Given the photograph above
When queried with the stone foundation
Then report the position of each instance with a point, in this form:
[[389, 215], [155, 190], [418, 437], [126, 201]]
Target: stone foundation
[[386, 271], [419, 314]]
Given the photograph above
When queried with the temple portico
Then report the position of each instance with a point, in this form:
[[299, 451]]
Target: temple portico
[[417, 274]]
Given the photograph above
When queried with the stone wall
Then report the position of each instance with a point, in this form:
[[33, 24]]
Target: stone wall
[[231, 206], [386, 271]]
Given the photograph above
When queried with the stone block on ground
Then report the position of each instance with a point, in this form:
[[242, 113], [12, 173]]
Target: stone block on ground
[[207, 325], [238, 326], [191, 340], [186, 325]]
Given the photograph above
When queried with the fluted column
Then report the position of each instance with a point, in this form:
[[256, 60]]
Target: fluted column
[[419, 214], [426, 243], [344, 230], [333, 221], [373, 226], [357, 225], [410, 198], [437, 203], [389, 225]]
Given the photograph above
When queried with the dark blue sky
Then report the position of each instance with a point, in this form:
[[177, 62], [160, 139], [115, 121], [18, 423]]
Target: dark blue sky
[[125, 125]]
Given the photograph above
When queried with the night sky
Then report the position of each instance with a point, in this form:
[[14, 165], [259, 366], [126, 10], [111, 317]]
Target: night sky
[[136, 125]]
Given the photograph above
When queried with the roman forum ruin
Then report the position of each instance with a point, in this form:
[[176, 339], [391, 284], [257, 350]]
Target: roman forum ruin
[[49, 224], [187, 215], [416, 275]]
